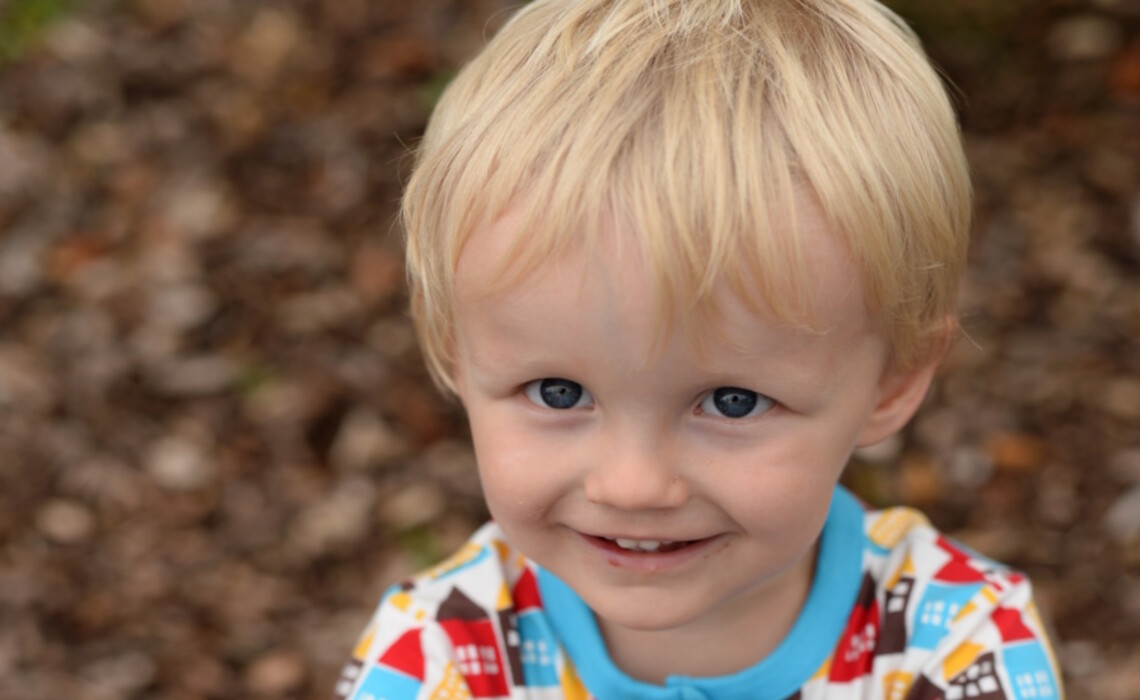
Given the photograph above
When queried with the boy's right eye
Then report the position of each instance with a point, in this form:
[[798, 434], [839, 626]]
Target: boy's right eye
[[558, 393]]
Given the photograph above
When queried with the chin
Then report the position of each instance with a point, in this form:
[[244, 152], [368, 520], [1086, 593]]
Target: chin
[[641, 613]]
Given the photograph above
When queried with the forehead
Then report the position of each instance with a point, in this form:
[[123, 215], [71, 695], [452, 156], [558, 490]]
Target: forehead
[[612, 263]]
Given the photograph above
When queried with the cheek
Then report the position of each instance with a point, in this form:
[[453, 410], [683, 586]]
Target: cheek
[[777, 504], [785, 487], [519, 475]]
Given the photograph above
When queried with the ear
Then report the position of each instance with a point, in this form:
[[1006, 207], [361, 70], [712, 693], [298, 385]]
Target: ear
[[900, 393], [898, 396]]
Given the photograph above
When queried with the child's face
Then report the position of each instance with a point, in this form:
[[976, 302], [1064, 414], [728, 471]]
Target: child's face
[[668, 484]]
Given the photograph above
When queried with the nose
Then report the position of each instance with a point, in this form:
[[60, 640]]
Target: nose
[[637, 477]]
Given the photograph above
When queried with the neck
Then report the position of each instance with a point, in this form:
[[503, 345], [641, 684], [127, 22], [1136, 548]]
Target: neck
[[739, 633]]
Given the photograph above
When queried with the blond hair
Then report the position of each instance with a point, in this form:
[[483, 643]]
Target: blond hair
[[696, 121]]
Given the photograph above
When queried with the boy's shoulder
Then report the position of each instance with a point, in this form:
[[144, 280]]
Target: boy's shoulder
[[929, 602], [485, 574], [461, 625], [904, 536], [927, 588]]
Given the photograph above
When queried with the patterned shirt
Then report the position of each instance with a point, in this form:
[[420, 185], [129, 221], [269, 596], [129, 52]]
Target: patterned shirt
[[896, 611]]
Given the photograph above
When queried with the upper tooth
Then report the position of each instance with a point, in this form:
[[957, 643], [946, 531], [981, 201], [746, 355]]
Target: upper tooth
[[642, 545]]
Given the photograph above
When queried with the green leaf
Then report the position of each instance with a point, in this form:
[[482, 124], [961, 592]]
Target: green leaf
[[23, 22]]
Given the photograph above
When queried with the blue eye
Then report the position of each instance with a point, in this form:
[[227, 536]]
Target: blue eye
[[734, 402], [558, 393]]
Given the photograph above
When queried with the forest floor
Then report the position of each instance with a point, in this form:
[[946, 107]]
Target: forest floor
[[218, 444]]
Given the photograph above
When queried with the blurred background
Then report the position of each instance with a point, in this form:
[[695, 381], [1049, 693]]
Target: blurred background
[[218, 445]]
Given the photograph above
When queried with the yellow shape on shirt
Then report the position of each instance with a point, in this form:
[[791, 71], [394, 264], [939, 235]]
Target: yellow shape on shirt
[[505, 600], [465, 555], [960, 659], [893, 524], [401, 601], [967, 609], [823, 671], [572, 688], [503, 549], [451, 686], [990, 595], [906, 568], [364, 644], [897, 684]]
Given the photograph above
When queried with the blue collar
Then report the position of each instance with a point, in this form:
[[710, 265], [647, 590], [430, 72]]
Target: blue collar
[[810, 642]]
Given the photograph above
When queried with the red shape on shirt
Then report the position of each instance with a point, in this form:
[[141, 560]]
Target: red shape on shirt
[[525, 594], [1011, 626], [476, 645], [958, 569], [855, 653], [406, 655], [478, 656]]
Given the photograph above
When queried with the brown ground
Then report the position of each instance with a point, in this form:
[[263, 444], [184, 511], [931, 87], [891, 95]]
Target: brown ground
[[217, 443]]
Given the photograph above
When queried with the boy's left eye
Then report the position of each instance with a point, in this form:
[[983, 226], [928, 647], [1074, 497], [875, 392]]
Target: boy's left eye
[[734, 402]]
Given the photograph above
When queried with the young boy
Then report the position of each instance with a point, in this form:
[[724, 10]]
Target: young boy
[[678, 259]]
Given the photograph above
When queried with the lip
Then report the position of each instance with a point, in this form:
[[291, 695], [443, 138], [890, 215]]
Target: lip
[[658, 562]]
